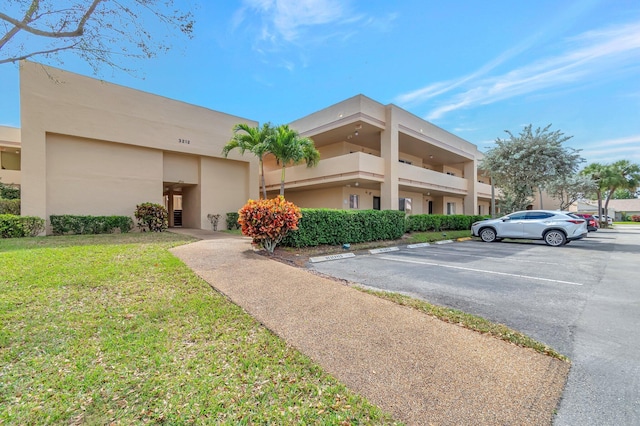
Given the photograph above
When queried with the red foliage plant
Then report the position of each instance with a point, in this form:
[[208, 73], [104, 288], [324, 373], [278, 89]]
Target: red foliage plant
[[268, 221]]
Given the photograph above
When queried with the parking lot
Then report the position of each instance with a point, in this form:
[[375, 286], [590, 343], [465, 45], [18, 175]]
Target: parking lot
[[579, 299], [530, 287]]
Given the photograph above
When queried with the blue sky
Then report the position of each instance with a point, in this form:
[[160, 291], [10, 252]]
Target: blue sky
[[473, 68]]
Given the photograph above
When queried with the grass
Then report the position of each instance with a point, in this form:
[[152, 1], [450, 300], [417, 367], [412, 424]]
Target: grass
[[469, 321], [113, 329]]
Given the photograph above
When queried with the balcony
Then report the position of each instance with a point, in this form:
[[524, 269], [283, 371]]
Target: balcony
[[331, 170], [421, 178]]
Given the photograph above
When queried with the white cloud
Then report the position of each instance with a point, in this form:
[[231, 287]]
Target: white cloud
[[586, 56], [285, 19]]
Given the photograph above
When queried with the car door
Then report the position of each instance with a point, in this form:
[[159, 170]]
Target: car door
[[512, 225], [536, 224]]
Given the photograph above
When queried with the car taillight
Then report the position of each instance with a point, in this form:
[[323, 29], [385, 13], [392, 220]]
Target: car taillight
[[576, 221]]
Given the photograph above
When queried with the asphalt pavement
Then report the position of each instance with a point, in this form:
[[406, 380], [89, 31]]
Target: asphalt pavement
[[582, 299]]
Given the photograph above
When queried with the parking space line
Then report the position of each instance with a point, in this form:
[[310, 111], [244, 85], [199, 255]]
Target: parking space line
[[434, 253], [398, 259]]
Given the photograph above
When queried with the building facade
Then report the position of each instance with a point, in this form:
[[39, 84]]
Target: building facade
[[88, 147], [375, 156], [94, 148]]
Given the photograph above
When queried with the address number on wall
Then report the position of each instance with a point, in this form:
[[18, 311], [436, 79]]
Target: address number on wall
[[185, 141]]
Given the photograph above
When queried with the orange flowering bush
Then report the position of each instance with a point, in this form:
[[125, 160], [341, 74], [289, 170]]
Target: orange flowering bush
[[268, 221]]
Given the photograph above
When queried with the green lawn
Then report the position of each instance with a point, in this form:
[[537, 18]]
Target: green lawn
[[113, 329]]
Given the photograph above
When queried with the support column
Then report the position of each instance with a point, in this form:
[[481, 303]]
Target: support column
[[471, 199], [389, 148]]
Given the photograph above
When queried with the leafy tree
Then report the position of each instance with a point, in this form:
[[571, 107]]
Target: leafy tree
[[621, 175], [269, 221], [256, 140], [289, 148], [525, 163], [102, 32], [609, 178], [598, 173], [569, 189], [624, 194]]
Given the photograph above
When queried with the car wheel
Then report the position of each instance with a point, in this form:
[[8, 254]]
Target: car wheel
[[488, 235], [555, 238]]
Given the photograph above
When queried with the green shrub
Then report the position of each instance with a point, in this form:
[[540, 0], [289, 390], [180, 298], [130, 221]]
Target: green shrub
[[9, 192], [335, 227], [232, 220], [440, 222], [10, 206], [13, 226], [82, 225], [152, 217]]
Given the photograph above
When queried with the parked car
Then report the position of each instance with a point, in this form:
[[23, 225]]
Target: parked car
[[609, 219], [592, 222], [554, 227]]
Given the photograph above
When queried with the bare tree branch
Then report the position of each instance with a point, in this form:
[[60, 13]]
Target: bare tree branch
[[22, 25]]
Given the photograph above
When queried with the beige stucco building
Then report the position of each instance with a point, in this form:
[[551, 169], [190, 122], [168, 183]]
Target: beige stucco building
[[90, 147], [10, 154], [94, 148], [383, 157]]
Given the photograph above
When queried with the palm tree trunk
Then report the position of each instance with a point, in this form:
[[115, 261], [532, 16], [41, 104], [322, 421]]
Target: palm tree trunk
[[262, 182], [282, 181]]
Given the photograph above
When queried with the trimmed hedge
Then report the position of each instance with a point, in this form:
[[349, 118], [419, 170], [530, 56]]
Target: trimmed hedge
[[335, 227], [232, 220], [10, 206], [13, 226], [75, 224], [440, 222]]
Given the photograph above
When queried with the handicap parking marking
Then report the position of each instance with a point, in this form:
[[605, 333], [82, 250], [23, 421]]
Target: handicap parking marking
[[462, 268]]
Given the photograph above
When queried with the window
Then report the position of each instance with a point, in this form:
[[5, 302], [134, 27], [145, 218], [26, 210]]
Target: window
[[376, 203], [451, 208], [404, 205], [354, 201]]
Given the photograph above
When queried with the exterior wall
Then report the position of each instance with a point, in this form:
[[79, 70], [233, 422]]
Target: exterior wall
[[128, 144], [404, 156], [10, 154], [98, 178]]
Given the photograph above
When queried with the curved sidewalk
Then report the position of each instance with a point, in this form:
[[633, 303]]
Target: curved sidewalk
[[420, 369]]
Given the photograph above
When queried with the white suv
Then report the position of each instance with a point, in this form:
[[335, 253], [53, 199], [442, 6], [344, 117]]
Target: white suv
[[554, 227]]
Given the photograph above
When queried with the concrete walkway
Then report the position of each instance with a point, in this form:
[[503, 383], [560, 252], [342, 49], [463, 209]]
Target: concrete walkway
[[421, 370]]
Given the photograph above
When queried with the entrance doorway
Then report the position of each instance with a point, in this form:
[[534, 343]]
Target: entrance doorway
[[376, 203], [173, 204]]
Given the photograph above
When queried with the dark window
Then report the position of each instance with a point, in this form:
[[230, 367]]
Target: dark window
[[376, 203], [538, 215]]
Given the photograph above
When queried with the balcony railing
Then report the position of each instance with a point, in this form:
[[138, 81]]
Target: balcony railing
[[428, 179], [356, 165]]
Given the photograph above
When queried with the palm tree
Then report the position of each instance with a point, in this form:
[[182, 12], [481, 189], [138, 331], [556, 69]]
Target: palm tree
[[609, 177], [288, 147], [254, 139], [598, 173], [622, 175]]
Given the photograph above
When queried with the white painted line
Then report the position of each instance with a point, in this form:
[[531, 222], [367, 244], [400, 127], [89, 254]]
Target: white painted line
[[397, 259], [383, 250], [457, 254], [331, 257], [418, 245], [444, 242]]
